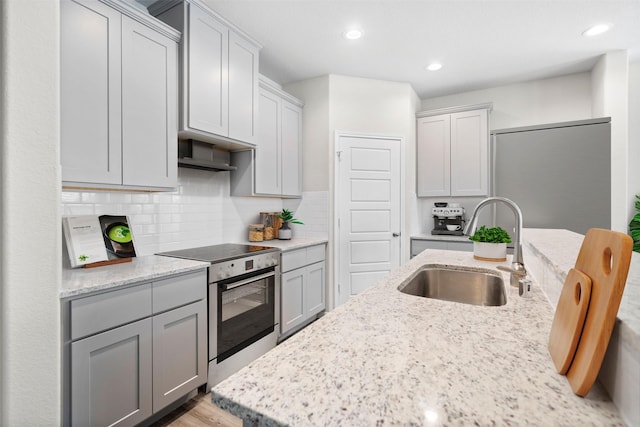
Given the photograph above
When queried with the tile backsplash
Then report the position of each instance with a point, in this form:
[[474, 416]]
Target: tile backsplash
[[200, 212]]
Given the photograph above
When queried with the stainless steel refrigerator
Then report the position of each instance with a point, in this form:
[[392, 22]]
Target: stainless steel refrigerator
[[559, 174]]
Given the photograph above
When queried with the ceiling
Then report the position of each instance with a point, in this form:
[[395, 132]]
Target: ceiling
[[481, 43]]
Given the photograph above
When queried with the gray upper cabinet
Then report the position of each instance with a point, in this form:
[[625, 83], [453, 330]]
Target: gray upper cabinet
[[274, 167], [118, 97], [205, 90], [219, 75], [149, 107], [452, 152], [90, 82]]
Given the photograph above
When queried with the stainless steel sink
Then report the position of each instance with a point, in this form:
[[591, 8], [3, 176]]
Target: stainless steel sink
[[468, 286]]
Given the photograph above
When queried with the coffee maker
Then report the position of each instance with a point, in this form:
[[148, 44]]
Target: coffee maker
[[448, 219]]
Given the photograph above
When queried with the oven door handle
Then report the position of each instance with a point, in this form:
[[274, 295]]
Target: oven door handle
[[234, 285]]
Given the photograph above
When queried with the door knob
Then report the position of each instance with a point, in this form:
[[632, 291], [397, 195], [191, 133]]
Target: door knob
[[395, 234]]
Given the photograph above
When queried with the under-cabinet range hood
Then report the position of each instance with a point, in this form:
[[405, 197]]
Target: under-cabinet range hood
[[202, 155]]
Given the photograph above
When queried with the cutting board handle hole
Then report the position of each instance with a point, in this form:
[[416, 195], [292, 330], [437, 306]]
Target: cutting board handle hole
[[577, 293], [607, 261]]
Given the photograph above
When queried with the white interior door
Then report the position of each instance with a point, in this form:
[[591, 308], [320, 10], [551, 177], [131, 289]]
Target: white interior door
[[368, 198]]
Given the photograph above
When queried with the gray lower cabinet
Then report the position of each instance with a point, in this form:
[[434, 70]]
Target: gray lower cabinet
[[303, 287], [135, 350], [179, 353], [111, 377]]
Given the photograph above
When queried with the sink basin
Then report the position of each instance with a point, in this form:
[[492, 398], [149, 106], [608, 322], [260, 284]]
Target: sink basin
[[468, 286]]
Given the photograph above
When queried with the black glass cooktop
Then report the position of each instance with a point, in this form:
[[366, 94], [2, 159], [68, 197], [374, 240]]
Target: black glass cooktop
[[218, 253]]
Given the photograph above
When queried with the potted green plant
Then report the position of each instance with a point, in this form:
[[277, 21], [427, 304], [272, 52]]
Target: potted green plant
[[287, 217], [634, 226], [490, 243]]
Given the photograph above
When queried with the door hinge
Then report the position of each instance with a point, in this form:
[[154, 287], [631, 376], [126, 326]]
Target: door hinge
[[338, 153]]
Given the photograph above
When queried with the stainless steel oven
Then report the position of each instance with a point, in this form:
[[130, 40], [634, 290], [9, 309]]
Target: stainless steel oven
[[244, 304]]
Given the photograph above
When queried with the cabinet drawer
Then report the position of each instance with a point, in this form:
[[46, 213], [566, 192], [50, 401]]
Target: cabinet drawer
[[105, 311], [315, 254], [179, 290], [293, 259], [300, 257]]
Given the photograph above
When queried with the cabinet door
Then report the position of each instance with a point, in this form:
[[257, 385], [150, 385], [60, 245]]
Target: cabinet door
[[314, 289], [292, 307], [433, 167], [179, 353], [243, 89], [208, 65], [149, 107], [90, 88], [291, 141], [111, 377], [469, 153], [267, 153]]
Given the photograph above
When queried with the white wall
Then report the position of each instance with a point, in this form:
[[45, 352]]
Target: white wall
[[199, 213], [315, 131], [536, 102], [634, 138], [610, 88], [552, 100], [30, 264], [371, 106], [353, 104]]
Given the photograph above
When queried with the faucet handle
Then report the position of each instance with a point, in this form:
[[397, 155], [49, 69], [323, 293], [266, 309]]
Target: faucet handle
[[519, 271]]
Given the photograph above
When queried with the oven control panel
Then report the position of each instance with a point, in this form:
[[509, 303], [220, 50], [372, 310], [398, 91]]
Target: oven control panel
[[240, 266]]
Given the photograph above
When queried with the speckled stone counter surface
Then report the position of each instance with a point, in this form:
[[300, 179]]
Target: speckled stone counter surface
[[79, 281], [387, 358], [288, 245], [440, 237]]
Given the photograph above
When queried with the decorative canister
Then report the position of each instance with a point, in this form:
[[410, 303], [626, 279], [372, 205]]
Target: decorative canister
[[277, 223], [256, 232], [266, 218]]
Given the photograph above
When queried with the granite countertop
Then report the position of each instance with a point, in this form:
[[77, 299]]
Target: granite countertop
[[389, 358], [80, 281], [441, 237], [295, 243]]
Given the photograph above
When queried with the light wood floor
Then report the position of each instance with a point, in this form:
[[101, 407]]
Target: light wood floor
[[199, 412]]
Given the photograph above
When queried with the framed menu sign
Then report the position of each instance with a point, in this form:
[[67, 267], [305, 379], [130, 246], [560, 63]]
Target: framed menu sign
[[93, 240], [117, 236], [83, 237]]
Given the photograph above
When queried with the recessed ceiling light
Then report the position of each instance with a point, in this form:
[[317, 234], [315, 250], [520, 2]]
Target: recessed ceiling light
[[352, 34], [434, 66], [597, 29]]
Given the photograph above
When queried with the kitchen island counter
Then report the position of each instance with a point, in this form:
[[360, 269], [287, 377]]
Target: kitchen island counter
[[386, 358]]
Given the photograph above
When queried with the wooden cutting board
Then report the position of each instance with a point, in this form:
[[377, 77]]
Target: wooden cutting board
[[604, 256], [569, 319]]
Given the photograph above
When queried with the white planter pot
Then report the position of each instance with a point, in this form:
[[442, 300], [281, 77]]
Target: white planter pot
[[496, 252], [285, 232]]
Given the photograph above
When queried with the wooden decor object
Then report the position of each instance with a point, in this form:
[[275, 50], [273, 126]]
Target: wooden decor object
[[604, 256], [568, 320]]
